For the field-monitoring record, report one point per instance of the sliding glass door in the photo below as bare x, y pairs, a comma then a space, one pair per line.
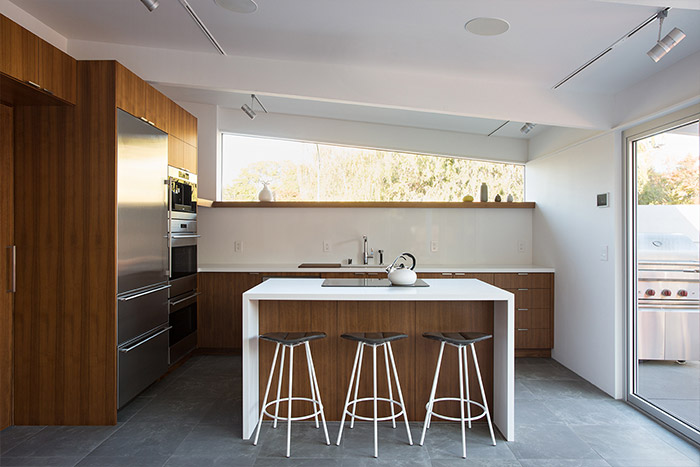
663, 271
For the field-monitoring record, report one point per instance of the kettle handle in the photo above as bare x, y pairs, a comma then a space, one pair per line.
413, 258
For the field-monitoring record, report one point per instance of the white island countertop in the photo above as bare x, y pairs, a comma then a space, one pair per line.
438, 290
427, 269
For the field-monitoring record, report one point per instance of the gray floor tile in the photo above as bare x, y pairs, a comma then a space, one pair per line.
393, 442
534, 412
308, 442
14, 435
297, 462
564, 463
63, 441
549, 442
563, 389
216, 442
123, 461
521, 392
475, 463
146, 440
444, 441
593, 412
613, 443
214, 461
39, 461
162, 410
132, 408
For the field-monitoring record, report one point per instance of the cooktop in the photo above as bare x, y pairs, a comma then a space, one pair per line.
368, 283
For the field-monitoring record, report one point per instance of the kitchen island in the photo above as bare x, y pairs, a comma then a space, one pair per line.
446, 305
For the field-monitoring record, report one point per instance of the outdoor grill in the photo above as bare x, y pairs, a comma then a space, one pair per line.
668, 310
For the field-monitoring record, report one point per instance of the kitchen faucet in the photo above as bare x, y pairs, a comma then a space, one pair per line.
365, 255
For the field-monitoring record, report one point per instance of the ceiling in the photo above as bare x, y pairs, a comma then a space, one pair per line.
547, 40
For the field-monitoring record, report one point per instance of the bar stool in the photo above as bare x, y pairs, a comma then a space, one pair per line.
374, 340
461, 340
289, 340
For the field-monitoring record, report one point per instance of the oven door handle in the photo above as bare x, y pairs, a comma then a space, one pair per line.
186, 235
189, 297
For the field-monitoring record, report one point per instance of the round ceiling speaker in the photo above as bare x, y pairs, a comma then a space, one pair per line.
239, 6
487, 26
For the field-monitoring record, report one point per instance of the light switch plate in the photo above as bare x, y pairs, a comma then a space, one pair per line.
604, 253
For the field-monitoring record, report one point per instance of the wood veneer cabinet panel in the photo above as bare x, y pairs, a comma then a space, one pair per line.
57, 71
131, 92
533, 318
448, 317
298, 316
177, 121
532, 338
176, 152
6, 240
523, 280
157, 108
189, 158
532, 298
18, 51
219, 311
65, 307
190, 129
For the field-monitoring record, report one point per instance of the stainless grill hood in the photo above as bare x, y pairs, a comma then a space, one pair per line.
667, 248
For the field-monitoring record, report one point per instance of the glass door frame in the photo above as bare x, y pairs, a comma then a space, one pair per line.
676, 119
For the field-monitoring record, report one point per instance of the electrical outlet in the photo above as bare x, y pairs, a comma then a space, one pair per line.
237, 246
434, 246
326, 246
604, 253
521, 246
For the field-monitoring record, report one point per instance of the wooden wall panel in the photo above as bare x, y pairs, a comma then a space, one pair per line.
298, 316
219, 311
6, 240
455, 317
18, 51
131, 92
65, 309
57, 71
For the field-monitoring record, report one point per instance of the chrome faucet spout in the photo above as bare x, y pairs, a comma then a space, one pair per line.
365, 254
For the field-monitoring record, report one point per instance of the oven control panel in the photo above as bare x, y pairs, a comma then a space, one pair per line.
667, 290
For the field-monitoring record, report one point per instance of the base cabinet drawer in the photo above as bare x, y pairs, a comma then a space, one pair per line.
533, 318
532, 298
523, 280
140, 364
533, 338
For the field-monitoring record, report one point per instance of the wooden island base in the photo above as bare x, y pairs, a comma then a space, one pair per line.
415, 356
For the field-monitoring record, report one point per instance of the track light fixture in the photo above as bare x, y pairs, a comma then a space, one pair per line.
527, 128
150, 4
664, 46
248, 109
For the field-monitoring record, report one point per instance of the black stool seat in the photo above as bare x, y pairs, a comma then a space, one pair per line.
457, 338
292, 338
373, 337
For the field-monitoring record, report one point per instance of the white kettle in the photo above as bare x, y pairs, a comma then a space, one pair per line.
399, 274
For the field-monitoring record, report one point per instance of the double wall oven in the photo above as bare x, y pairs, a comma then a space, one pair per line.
182, 260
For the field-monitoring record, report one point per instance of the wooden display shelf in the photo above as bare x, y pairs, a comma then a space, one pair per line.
363, 204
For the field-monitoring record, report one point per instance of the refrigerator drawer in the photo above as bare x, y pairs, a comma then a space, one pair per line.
139, 312
141, 363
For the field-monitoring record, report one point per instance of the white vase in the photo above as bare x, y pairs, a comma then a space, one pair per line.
510, 198
265, 194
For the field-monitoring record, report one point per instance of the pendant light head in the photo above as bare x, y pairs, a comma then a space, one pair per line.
527, 128
664, 46
248, 109
150, 4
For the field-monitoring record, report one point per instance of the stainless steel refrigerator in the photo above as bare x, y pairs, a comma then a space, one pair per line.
142, 255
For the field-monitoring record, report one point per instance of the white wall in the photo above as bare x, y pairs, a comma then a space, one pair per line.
296, 235
569, 232
32, 24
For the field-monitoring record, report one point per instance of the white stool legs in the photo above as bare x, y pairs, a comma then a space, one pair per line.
355, 379
315, 395
463, 383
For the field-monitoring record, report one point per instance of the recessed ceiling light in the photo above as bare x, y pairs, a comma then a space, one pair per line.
239, 6
487, 26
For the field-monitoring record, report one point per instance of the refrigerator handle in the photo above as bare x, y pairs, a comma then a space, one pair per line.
129, 349
169, 199
131, 297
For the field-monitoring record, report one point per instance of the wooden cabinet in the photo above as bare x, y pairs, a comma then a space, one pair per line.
176, 152
31, 60
131, 92
57, 71
158, 109
177, 121
190, 129
189, 162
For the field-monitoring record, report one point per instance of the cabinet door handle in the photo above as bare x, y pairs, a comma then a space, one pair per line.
523, 329
13, 269
523, 309
141, 294
522, 274
32, 83
523, 290
446, 274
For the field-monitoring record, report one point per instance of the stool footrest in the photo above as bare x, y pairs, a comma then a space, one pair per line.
457, 419
371, 419
294, 419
